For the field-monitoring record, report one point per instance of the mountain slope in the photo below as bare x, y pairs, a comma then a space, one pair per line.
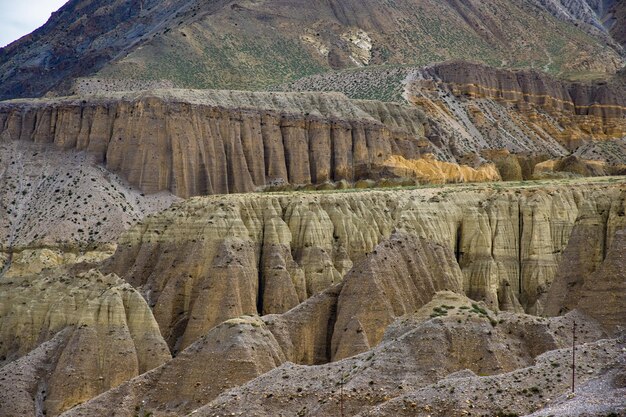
251, 44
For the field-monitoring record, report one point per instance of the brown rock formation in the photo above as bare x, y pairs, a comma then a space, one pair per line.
474, 80
229, 355
198, 143
591, 276
417, 357
585, 111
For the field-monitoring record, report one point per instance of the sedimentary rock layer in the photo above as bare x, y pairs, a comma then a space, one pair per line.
600, 99
537, 105
210, 259
197, 143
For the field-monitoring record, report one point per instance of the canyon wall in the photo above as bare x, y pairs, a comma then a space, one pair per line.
210, 259
600, 99
198, 143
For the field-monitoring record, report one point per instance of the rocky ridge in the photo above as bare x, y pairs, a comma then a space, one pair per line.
67, 336
396, 379
307, 262
515, 119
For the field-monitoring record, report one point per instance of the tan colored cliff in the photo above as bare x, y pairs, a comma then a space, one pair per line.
592, 276
279, 249
242, 349
209, 142
66, 337
230, 354
401, 275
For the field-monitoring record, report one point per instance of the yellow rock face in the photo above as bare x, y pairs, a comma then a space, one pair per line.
429, 170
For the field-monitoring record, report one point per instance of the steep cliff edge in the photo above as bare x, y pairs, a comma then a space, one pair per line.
475, 111
206, 142
280, 249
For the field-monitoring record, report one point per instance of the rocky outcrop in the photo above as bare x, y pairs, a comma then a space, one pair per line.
478, 114
426, 356
209, 142
602, 100
401, 275
543, 386
522, 111
242, 349
67, 336
591, 276
229, 355
277, 250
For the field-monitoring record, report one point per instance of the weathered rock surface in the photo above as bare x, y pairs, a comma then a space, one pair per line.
538, 390
210, 259
209, 142
66, 337
473, 107
229, 355
207, 260
401, 275
592, 277
418, 355
513, 118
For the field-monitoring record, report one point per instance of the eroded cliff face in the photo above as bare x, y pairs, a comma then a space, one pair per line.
67, 336
334, 275
277, 250
209, 142
525, 112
